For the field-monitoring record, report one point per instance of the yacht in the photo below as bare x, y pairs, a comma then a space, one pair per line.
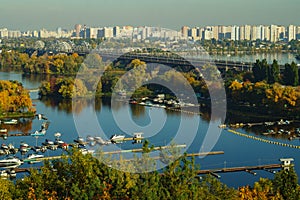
117, 138
10, 162
34, 158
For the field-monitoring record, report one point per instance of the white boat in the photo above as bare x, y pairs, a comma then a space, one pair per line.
4, 147
36, 149
10, 162
3, 130
39, 133
12, 174
12, 121
58, 142
86, 151
90, 138
48, 142
24, 145
117, 138
34, 158
3, 174
79, 140
57, 134
99, 140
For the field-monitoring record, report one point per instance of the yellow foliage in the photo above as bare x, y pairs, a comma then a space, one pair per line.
235, 85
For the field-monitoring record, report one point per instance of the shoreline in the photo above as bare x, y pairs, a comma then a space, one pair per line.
17, 115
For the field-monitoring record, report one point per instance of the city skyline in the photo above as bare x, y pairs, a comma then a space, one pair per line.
34, 14
272, 33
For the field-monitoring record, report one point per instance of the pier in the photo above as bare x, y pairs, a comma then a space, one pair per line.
239, 169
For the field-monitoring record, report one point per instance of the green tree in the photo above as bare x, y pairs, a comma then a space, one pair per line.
290, 74
286, 182
274, 72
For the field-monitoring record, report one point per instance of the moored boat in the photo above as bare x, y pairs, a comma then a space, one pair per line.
117, 138
3, 130
39, 133
10, 162
79, 140
11, 121
4, 174
48, 142
34, 158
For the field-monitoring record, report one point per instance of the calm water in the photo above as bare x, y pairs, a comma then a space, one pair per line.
159, 126
282, 58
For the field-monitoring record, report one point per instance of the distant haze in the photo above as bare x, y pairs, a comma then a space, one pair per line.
38, 14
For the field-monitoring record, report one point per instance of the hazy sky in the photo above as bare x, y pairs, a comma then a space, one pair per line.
37, 14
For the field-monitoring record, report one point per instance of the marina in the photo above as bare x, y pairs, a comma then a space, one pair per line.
61, 119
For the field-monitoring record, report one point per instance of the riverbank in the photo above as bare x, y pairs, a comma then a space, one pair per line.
17, 115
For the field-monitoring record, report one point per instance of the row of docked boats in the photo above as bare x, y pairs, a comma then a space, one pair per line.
161, 102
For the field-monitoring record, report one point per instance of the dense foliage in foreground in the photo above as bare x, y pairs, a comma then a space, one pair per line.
85, 177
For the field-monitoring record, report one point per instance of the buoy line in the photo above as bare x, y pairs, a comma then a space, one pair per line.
263, 140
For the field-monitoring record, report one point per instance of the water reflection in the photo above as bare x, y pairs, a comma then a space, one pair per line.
33, 79
24, 126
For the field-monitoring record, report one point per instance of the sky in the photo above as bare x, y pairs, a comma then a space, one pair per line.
37, 14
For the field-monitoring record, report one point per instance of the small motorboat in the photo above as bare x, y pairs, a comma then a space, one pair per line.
24, 145
58, 142
85, 151
4, 174
48, 142
36, 148
12, 173
34, 158
39, 133
10, 122
4, 147
117, 138
79, 140
57, 135
3, 130
90, 138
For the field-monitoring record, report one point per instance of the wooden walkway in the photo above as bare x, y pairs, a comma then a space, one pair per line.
248, 169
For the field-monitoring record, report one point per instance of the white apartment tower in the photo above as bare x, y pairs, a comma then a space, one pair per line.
274, 35
235, 33
291, 33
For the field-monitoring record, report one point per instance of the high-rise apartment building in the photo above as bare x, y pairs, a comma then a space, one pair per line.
235, 33
291, 32
91, 33
3, 33
185, 31
274, 35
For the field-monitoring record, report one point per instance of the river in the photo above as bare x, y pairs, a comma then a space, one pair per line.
159, 126
282, 58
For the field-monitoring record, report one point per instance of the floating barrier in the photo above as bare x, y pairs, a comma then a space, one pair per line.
263, 140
